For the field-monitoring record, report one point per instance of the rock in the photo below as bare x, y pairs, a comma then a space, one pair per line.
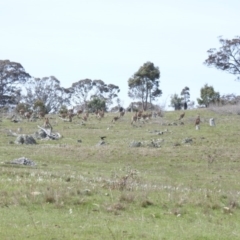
212, 122
46, 134
187, 140
154, 144
100, 143
135, 144
40, 134
25, 139
23, 161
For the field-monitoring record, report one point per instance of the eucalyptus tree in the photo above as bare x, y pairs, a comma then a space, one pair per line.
144, 84
95, 104
80, 91
227, 57
12, 76
47, 90
176, 102
105, 91
86, 90
208, 96
230, 99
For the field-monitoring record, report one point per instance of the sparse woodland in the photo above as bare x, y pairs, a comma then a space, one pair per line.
70, 169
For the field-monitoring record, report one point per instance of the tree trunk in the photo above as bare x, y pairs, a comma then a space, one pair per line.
146, 98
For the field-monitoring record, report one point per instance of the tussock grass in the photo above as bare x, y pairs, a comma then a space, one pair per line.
80, 190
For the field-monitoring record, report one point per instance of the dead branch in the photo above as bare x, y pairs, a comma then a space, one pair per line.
50, 134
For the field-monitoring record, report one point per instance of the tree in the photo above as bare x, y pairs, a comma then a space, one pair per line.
105, 91
12, 76
230, 99
227, 58
22, 106
63, 109
96, 104
48, 91
39, 106
176, 102
80, 91
118, 106
144, 84
208, 95
87, 89
186, 96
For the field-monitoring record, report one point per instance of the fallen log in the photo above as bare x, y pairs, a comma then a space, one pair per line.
49, 133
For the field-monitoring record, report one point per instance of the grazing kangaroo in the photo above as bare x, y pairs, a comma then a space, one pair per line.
122, 113
115, 119
100, 114
134, 118
41, 114
79, 112
28, 115
181, 116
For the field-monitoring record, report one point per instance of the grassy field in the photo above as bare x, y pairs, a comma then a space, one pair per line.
184, 187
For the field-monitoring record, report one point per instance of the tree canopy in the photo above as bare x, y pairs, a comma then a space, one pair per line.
227, 57
176, 102
80, 91
87, 89
96, 104
144, 84
12, 75
208, 96
230, 99
105, 91
179, 102
48, 91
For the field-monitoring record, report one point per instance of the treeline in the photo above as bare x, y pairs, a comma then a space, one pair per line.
19, 87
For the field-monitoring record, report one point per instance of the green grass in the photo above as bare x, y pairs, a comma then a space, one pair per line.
85, 191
